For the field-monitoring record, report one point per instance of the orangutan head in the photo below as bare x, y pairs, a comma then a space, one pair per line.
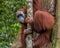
21, 15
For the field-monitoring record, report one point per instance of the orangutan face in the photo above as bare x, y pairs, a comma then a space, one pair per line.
20, 16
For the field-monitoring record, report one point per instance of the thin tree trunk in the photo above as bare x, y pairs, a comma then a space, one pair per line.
58, 21
29, 14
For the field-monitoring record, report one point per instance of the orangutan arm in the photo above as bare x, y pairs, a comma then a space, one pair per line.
23, 36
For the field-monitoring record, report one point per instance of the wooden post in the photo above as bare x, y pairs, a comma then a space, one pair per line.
29, 14
58, 21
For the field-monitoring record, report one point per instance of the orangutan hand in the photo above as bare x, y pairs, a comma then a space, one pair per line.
29, 20
27, 31
33, 44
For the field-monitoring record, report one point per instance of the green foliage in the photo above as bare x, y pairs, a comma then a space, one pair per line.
54, 35
9, 26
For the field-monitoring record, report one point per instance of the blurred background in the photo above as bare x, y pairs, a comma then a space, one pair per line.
9, 26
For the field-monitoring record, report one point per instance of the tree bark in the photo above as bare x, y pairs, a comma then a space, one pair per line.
58, 21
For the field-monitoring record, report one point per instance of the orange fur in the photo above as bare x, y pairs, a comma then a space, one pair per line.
41, 21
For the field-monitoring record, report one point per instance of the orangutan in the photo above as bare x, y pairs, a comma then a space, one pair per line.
41, 23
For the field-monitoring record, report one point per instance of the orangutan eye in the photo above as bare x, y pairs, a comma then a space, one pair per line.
20, 15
